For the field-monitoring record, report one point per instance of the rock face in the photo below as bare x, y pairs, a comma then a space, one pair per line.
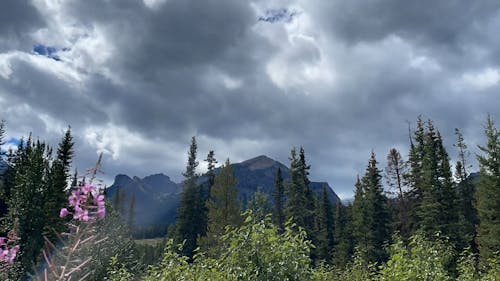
259, 173
157, 197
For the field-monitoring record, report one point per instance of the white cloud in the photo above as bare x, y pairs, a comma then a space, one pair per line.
483, 79
154, 4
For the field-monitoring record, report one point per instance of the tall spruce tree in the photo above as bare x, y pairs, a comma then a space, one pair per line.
300, 204
190, 211
343, 235
211, 161
4, 193
431, 190
488, 193
56, 195
260, 205
395, 174
371, 214
324, 228
279, 201
223, 208
465, 189
31, 175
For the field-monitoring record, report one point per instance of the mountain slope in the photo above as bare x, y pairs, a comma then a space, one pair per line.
157, 197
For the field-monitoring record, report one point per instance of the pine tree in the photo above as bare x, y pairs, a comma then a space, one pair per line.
211, 161
432, 194
324, 228
466, 191
437, 208
260, 204
131, 214
395, 173
31, 174
343, 235
279, 201
371, 216
190, 212
223, 208
414, 177
4, 193
300, 205
488, 194
56, 195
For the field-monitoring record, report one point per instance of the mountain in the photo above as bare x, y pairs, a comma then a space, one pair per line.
157, 197
259, 173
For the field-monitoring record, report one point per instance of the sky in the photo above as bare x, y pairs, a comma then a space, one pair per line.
137, 79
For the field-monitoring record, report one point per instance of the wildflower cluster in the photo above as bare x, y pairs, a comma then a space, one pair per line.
8, 248
87, 204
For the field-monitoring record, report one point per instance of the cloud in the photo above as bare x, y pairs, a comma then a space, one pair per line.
137, 79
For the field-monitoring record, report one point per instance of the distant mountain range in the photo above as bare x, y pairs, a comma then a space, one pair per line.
157, 196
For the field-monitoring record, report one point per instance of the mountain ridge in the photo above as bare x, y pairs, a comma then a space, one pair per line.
157, 197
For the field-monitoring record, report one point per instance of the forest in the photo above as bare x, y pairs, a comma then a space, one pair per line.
415, 217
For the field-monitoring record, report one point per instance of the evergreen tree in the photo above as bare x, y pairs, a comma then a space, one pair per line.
131, 214
488, 194
190, 212
466, 190
279, 200
31, 175
223, 207
343, 235
324, 228
260, 204
4, 193
211, 161
432, 192
2, 142
56, 194
371, 216
300, 205
395, 173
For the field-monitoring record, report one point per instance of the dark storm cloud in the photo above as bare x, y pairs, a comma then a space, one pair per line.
434, 22
17, 19
340, 78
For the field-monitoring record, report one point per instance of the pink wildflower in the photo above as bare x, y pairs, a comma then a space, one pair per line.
64, 212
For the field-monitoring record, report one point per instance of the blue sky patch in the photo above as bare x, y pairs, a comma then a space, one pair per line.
13, 141
50, 52
279, 15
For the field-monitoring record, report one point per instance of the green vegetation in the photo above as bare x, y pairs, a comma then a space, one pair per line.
427, 225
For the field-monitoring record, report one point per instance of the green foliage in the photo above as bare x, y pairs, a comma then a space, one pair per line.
117, 271
488, 194
432, 192
191, 214
56, 194
259, 204
116, 241
420, 260
371, 216
324, 228
466, 192
395, 173
300, 199
343, 238
223, 207
279, 200
254, 251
